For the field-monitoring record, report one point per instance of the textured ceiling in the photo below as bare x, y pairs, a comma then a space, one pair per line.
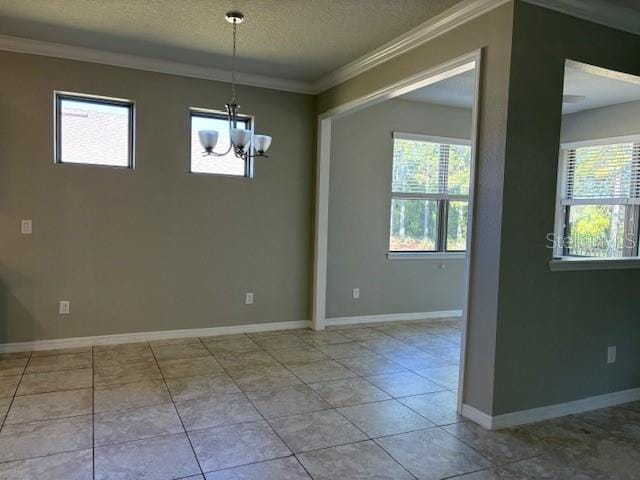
456, 91
294, 39
599, 87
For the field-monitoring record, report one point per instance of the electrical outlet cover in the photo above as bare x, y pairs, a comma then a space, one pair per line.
65, 307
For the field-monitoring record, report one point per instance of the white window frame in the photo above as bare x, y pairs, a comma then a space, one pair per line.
560, 261
59, 96
221, 115
441, 253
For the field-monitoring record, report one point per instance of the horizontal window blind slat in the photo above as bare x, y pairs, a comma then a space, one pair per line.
600, 201
429, 196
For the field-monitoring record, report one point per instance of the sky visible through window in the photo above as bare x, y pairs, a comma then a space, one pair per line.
94, 133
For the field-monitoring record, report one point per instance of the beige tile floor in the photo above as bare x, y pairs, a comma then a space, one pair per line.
375, 401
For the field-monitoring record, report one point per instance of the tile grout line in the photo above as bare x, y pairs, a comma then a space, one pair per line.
394, 398
58, 390
45, 455
186, 434
13, 397
357, 375
249, 400
368, 437
265, 419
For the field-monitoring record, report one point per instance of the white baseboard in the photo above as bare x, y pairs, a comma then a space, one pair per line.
477, 416
551, 411
392, 317
146, 336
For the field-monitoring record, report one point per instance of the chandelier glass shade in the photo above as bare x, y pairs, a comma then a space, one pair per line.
241, 140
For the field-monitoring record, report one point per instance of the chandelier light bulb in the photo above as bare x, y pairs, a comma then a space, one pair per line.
208, 139
240, 137
261, 143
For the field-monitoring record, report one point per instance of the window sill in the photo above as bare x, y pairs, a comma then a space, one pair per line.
425, 255
566, 264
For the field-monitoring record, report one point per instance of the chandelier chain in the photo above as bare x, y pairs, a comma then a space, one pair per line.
233, 65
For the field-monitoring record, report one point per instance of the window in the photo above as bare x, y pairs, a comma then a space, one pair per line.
429, 194
228, 164
93, 130
598, 199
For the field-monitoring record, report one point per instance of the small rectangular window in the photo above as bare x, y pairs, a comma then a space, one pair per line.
598, 200
227, 164
429, 194
93, 130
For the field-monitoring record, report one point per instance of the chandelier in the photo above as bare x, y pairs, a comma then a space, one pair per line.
240, 140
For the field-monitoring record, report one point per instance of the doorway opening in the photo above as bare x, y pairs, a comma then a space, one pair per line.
394, 220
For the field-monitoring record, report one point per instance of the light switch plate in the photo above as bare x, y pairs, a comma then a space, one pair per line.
248, 298
356, 293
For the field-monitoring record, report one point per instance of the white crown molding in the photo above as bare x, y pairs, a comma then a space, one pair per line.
58, 50
147, 336
454, 17
393, 317
596, 11
451, 18
549, 412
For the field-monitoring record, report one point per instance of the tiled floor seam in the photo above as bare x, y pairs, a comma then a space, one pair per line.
13, 397
394, 458
48, 419
251, 463
496, 464
45, 456
264, 418
130, 408
379, 446
186, 434
254, 407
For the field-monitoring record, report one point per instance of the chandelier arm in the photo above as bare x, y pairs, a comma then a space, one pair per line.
230, 116
216, 154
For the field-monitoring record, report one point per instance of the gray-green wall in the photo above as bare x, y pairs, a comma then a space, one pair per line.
154, 248
359, 205
554, 327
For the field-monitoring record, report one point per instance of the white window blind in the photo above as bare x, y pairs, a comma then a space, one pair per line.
602, 174
430, 168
